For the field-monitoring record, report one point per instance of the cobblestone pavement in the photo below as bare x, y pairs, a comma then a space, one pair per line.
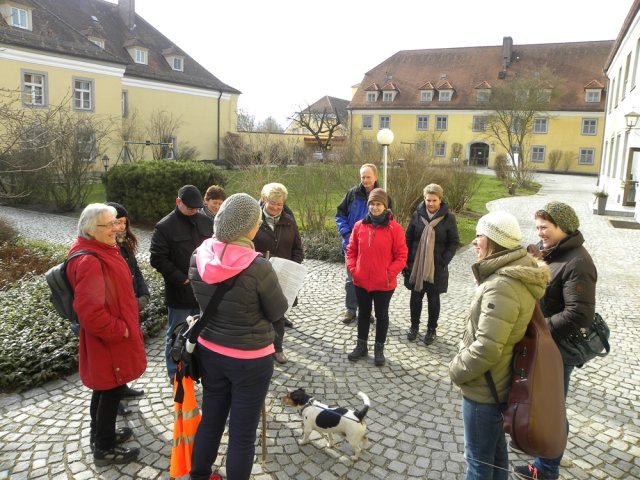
415, 427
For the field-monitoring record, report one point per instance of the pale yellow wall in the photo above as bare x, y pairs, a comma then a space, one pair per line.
564, 133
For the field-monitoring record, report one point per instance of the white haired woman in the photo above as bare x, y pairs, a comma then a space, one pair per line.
111, 349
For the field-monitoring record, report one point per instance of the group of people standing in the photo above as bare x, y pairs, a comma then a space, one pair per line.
238, 346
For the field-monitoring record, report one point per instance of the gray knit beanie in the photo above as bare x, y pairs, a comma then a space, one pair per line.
238, 214
501, 227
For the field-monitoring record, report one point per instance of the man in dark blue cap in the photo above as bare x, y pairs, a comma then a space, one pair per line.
174, 239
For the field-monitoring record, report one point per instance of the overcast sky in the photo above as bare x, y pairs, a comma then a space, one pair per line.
286, 54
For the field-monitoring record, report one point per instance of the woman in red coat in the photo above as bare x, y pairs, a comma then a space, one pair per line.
111, 350
376, 254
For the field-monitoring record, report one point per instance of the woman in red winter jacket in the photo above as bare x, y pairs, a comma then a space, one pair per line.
376, 254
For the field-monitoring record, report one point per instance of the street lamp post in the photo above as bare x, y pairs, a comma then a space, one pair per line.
631, 119
105, 162
385, 138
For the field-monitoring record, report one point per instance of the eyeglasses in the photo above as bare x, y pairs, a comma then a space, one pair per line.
113, 224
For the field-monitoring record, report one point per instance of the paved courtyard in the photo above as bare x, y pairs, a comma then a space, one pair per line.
415, 427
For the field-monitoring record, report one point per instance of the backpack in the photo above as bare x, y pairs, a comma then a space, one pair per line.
535, 417
61, 292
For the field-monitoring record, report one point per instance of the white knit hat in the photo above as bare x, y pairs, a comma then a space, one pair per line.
502, 228
238, 214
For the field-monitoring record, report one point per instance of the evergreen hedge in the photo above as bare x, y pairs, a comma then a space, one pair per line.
149, 189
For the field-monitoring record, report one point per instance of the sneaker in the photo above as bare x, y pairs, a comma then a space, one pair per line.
349, 317
115, 456
122, 435
280, 357
430, 337
132, 393
529, 472
412, 333
514, 448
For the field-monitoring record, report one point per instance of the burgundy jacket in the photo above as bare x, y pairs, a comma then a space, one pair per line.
376, 255
106, 305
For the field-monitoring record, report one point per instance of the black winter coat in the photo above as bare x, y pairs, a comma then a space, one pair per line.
446, 244
569, 301
174, 239
247, 311
139, 285
283, 242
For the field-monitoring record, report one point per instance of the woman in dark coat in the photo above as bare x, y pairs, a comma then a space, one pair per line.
432, 238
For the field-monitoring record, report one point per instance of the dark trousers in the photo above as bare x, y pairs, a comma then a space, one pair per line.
103, 411
433, 306
235, 386
278, 327
380, 300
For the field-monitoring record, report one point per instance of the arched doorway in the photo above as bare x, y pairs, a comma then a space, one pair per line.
479, 154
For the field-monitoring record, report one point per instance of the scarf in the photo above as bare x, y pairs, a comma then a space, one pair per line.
423, 266
377, 220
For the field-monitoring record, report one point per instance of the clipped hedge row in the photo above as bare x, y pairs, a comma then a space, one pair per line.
37, 345
149, 189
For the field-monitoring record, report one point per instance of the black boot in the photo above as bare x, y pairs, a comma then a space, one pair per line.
378, 354
359, 352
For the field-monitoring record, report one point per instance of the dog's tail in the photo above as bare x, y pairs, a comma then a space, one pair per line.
360, 414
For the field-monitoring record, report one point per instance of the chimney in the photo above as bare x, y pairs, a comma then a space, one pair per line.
507, 50
127, 12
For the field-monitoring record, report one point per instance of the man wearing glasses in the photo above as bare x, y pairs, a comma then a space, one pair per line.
174, 239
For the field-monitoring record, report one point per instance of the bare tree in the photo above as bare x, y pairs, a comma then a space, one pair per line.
514, 107
270, 125
131, 135
163, 127
245, 122
322, 123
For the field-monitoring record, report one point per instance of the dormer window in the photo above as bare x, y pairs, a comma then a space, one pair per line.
372, 97
97, 41
426, 95
387, 96
445, 95
593, 95
372, 92
389, 92
545, 95
17, 16
178, 64
140, 56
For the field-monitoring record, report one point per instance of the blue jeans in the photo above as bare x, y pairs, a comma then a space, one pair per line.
351, 302
175, 317
485, 447
551, 466
229, 385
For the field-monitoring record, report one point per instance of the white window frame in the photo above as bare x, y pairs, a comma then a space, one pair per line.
440, 149
124, 101
388, 96
33, 87
586, 153
83, 94
384, 121
593, 95
479, 123
422, 122
538, 153
91, 144
180, 65
445, 95
540, 125
426, 95
589, 126
372, 97
442, 123
483, 95
20, 18
140, 56
367, 122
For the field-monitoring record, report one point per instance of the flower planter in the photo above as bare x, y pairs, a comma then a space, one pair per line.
601, 205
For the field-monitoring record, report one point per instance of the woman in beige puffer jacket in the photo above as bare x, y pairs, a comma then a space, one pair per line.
509, 283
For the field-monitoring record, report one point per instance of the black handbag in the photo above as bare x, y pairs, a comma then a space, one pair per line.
585, 344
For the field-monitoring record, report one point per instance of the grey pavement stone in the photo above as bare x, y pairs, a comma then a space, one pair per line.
415, 427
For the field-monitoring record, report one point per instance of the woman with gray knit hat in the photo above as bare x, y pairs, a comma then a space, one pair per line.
235, 349
376, 254
569, 301
509, 283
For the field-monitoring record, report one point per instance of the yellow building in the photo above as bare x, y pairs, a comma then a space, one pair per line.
109, 62
436, 103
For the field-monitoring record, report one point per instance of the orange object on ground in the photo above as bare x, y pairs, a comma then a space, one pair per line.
186, 417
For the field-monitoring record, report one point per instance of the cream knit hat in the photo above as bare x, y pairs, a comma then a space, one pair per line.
502, 228
238, 214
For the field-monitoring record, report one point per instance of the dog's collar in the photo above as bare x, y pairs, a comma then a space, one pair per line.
308, 404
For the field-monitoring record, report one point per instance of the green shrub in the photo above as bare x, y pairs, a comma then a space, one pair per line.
323, 245
148, 189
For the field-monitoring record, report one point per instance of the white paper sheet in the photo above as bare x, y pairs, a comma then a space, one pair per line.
291, 277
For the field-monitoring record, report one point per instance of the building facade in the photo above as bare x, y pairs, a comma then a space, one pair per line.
436, 102
620, 169
106, 61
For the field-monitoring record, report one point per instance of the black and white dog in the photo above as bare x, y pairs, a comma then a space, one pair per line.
321, 418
